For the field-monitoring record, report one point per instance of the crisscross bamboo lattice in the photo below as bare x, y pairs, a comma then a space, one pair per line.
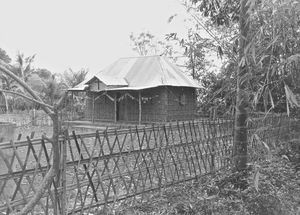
105, 167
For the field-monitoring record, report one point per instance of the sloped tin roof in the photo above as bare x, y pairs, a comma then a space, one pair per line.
108, 80
144, 72
79, 87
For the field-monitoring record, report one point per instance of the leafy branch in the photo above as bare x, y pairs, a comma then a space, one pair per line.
27, 97
52, 111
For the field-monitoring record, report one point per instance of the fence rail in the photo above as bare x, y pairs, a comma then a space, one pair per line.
103, 168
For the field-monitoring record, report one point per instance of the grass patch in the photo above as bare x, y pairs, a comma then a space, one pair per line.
277, 192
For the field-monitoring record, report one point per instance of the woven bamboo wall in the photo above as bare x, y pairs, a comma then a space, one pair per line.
88, 104
178, 111
159, 104
103, 107
153, 105
128, 106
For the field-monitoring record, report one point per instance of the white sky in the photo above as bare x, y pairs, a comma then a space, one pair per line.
81, 34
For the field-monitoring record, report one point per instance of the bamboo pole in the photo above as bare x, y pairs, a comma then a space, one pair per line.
63, 172
241, 115
115, 104
93, 108
73, 106
140, 108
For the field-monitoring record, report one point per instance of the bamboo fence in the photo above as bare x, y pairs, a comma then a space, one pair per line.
103, 168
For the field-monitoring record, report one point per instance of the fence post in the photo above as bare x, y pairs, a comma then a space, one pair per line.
279, 124
33, 117
63, 172
213, 145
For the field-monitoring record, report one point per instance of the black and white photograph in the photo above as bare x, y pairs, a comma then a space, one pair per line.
138, 107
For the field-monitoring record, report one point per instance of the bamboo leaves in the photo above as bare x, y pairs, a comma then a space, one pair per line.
291, 99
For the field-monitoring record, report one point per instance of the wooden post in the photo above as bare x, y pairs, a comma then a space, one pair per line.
63, 172
115, 103
140, 107
73, 106
93, 108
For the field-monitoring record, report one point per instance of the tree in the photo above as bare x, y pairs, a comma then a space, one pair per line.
268, 58
42, 81
8, 84
52, 111
273, 54
77, 100
24, 66
240, 123
48, 86
52, 90
143, 44
222, 13
43, 73
5, 82
4, 56
195, 49
146, 44
22, 69
72, 78
218, 91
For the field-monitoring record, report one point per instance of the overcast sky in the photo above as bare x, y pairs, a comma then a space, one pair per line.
81, 33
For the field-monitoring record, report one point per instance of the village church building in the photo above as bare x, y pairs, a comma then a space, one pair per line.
140, 90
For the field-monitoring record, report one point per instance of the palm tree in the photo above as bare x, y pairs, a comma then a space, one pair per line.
52, 89
24, 66
23, 69
72, 78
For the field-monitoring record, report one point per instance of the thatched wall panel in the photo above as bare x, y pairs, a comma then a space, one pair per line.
181, 103
103, 107
158, 104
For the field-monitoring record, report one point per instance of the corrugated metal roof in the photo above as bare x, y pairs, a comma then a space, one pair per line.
79, 87
109, 80
145, 72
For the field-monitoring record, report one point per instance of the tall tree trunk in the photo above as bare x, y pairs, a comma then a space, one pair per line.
240, 124
6, 103
53, 171
52, 111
